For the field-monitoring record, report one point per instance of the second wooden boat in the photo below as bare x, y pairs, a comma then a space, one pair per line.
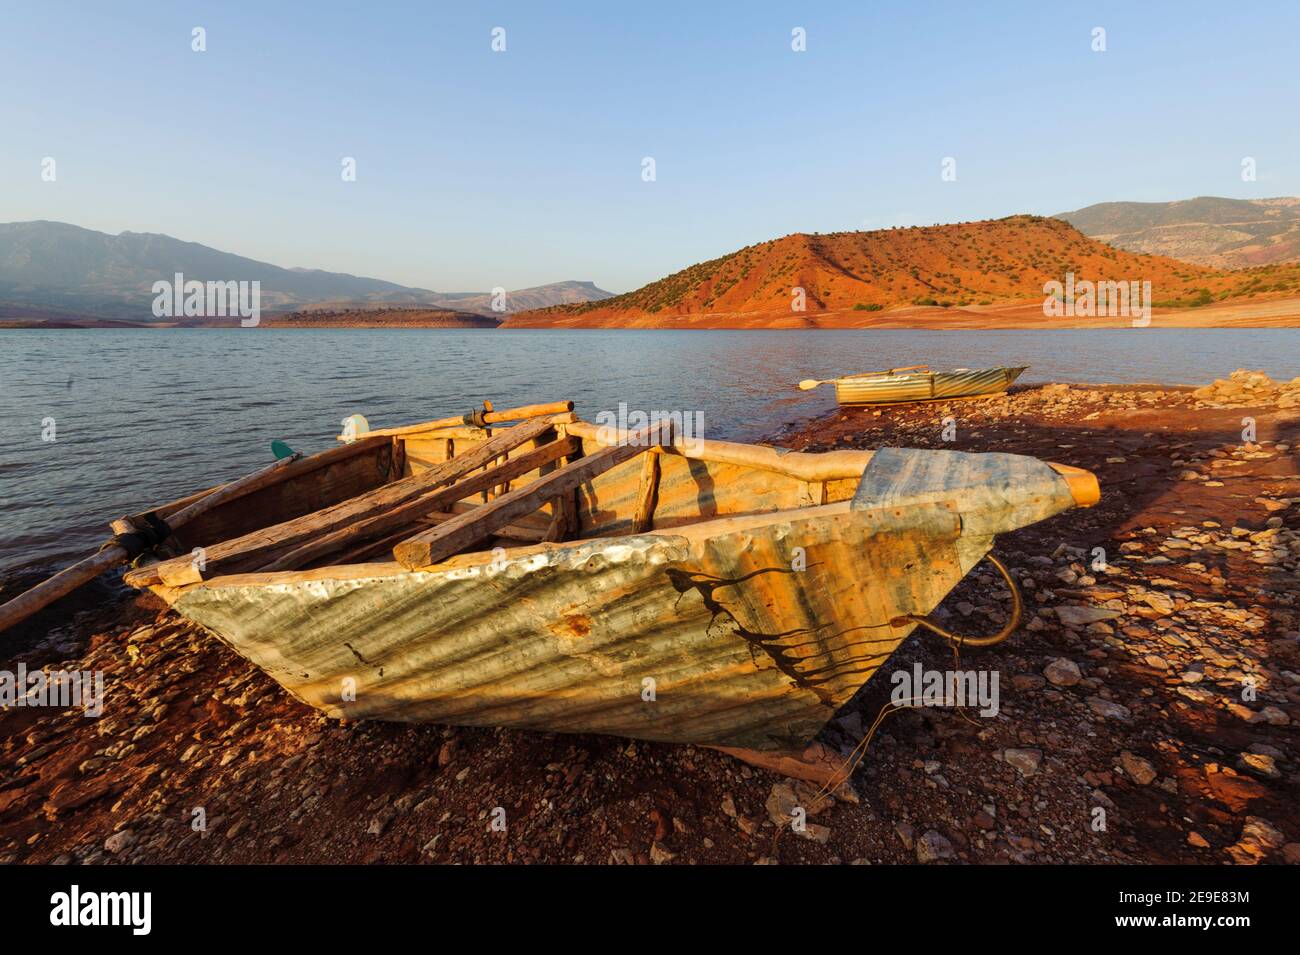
560, 576
921, 384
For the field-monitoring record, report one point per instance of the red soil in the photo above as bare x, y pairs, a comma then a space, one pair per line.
979, 274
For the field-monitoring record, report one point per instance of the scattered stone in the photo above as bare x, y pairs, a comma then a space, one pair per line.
814, 833
1138, 769
1062, 672
1259, 764
933, 847
1259, 838
906, 833
1108, 709
1273, 716
380, 822
1026, 761
660, 853
1078, 617
119, 841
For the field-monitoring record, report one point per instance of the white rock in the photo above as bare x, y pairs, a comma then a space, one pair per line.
1082, 616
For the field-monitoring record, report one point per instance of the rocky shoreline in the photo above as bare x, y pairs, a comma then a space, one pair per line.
1147, 712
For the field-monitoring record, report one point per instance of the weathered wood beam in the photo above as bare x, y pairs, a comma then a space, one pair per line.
430, 547
405, 514
488, 417
179, 571
817, 763
113, 555
647, 495
825, 466
518, 531
271, 474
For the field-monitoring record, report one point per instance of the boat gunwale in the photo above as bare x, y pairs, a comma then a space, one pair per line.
1079, 480
899, 375
813, 468
377, 569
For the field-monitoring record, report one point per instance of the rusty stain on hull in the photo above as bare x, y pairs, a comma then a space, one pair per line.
465, 644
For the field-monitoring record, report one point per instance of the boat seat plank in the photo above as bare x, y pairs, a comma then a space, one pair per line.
183, 570
430, 547
410, 511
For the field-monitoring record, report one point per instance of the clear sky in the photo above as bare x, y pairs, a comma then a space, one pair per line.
477, 169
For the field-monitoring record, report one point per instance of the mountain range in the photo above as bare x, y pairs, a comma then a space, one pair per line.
1207, 230
53, 268
990, 273
909, 275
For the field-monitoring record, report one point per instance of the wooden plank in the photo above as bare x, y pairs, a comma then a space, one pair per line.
423, 452
64, 582
182, 570
519, 532
430, 547
263, 477
817, 763
648, 495
285, 501
302, 466
69, 579
404, 514
489, 417
803, 465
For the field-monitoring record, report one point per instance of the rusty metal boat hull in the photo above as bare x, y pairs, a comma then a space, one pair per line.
743, 630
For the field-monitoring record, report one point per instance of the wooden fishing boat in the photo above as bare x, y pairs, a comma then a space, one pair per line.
918, 383
561, 576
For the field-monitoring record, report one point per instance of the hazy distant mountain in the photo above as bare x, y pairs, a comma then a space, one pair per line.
54, 265
523, 300
1227, 233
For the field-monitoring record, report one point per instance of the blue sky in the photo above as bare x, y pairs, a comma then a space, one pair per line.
477, 169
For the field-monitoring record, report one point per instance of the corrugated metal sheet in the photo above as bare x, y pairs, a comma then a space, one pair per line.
744, 648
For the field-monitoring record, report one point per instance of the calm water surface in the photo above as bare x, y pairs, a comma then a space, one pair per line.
145, 417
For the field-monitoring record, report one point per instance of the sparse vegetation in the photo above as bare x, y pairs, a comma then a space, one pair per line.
946, 266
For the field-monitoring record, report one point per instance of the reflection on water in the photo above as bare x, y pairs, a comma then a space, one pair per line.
145, 417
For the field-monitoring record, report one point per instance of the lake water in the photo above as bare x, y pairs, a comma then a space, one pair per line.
145, 417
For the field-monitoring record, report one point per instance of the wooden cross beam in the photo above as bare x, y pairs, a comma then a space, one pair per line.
465, 530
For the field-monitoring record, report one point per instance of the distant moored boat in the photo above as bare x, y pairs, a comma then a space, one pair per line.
918, 383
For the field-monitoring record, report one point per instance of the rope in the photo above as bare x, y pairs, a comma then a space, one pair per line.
956, 641
150, 531
859, 752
